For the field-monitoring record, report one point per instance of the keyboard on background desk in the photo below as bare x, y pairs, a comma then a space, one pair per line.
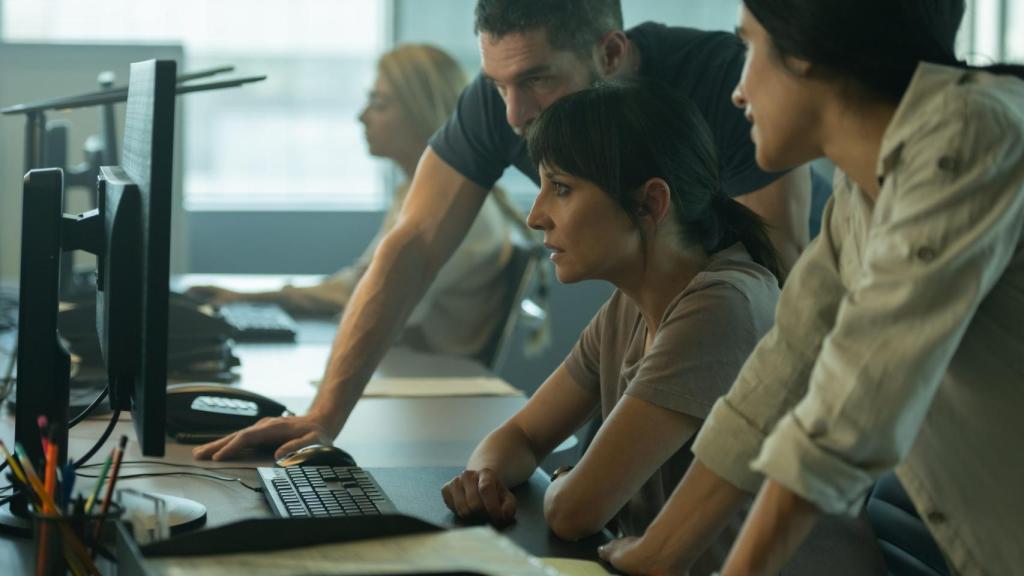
259, 322
323, 491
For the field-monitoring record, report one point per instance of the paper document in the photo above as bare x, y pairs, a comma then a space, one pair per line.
573, 567
480, 550
427, 387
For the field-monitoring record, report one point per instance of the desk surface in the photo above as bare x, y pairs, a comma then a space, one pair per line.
383, 434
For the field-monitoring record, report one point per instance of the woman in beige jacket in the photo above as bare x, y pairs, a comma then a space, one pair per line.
897, 342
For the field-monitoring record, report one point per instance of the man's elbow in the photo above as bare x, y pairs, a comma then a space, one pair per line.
571, 519
405, 248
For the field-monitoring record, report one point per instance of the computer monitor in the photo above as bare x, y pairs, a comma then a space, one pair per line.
146, 160
130, 234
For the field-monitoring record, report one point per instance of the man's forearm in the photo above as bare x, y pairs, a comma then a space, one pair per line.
694, 515
380, 305
778, 524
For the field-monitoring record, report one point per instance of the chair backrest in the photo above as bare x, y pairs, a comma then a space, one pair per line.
518, 273
906, 544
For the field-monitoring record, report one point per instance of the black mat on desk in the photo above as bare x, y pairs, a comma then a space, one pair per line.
417, 492
284, 533
267, 534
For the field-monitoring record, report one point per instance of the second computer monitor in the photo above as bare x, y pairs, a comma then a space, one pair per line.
145, 171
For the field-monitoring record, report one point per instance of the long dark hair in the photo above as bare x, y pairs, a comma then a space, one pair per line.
620, 135
879, 43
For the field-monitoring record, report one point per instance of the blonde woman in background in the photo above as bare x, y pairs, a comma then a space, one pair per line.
415, 91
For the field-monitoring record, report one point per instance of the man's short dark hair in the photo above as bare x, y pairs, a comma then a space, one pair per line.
574, 25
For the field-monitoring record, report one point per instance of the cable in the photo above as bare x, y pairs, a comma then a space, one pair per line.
90, 408
99, 443
5, 499
162, 463
193, 466
256, 489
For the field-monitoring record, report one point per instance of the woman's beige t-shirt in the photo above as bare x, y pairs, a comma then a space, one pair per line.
706, 334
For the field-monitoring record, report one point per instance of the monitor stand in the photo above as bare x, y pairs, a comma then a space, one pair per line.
183, 514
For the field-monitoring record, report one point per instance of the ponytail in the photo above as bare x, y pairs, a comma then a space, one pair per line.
737, 223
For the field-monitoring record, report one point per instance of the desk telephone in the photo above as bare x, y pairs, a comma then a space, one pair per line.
203, 412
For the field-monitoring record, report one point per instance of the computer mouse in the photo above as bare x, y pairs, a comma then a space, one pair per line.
316, 455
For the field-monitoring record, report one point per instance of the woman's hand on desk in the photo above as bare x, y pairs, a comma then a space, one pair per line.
480, 494
284, 434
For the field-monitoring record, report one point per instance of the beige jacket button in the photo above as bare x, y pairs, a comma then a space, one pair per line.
925, 254
947, 163
936, 517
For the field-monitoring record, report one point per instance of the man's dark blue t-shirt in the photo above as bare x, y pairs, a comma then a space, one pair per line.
705, 66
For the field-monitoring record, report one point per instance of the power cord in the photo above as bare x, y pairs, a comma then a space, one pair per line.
162, 463
256, 489
90, 408
5, 499
99, 443
85, 413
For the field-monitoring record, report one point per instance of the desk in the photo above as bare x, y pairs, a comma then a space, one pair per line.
383, 434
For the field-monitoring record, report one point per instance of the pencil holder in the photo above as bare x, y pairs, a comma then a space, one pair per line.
63, 541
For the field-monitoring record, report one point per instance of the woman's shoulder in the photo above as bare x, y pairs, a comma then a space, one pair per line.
733, 272
732, 289
957, 107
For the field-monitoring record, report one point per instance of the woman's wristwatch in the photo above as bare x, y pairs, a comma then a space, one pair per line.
560, 471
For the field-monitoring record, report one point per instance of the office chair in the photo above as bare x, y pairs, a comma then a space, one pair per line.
519, 272
905, 542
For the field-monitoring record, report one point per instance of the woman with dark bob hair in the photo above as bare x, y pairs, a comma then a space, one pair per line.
898, 342
630, 194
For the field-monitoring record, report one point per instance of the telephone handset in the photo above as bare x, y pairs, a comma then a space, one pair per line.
203, 412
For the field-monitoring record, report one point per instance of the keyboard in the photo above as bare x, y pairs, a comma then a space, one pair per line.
323, 491
259, 322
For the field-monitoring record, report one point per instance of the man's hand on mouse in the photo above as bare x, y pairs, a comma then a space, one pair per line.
285, 434
475, 494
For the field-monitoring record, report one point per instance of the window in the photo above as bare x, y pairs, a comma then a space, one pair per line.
992, 31
291, 142
1015, 32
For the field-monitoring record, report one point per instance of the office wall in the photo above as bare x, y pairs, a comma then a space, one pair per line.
31, 72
